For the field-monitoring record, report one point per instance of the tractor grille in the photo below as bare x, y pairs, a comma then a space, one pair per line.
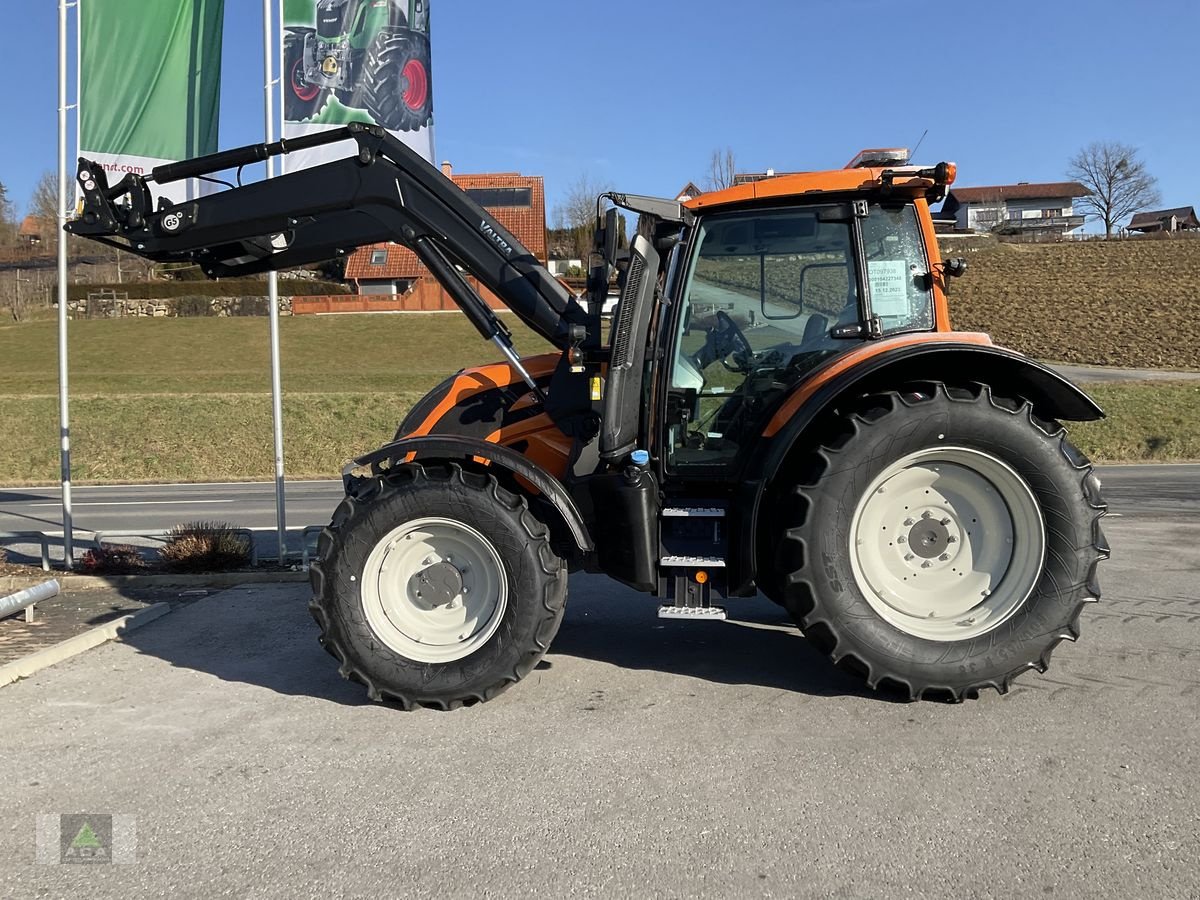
633, 286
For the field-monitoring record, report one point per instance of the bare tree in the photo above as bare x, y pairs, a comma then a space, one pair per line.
576, 214
8, 226
1117, 179
578, 207
721, 168
44, 207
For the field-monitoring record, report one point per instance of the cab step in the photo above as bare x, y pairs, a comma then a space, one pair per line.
693, 562
707, 613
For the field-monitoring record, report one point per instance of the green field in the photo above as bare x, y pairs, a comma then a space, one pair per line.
188, 399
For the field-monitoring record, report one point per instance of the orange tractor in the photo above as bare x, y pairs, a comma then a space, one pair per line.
780, 405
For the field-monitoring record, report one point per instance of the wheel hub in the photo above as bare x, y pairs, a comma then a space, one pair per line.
929, 537
438, 585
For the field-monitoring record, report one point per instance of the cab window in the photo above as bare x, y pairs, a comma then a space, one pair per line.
898, 268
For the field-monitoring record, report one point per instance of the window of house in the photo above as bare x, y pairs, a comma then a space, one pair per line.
378, 257
1052, 213
494, 198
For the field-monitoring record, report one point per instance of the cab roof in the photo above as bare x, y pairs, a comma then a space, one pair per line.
903, 179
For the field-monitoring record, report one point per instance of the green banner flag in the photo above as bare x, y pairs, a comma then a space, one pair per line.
150, 82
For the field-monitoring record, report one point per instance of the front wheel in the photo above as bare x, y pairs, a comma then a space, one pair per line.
944, 542
437, 587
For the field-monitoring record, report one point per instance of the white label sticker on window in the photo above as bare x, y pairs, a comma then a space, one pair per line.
889, 287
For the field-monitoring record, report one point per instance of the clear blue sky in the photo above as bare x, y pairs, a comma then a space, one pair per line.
637, 95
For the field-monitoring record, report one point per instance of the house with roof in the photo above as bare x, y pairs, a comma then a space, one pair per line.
32, 229
1181, 218
1019, 208
518, 202
688, 192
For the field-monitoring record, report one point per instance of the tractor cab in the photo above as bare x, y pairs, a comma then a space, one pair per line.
742, 296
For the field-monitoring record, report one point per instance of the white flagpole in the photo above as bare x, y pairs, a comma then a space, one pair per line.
273, 294
63, 407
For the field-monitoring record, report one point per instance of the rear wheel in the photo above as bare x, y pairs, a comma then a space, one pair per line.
436, 587
398, 90
944, 542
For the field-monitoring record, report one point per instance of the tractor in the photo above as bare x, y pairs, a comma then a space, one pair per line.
779, 405
369, 54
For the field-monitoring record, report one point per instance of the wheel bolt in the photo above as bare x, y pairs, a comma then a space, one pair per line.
944, 557
908, 521
907, 557
946, 521
926, 514
926, 564
951, 540
901, 540
426, 561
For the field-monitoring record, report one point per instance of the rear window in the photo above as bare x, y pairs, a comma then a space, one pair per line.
897, 268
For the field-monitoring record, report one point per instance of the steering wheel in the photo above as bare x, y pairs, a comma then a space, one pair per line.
725, 341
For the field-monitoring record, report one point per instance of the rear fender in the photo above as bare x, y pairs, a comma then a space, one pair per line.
459, 449
1008, 373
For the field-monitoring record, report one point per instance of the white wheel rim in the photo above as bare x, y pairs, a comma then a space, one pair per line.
947, 543
434, 590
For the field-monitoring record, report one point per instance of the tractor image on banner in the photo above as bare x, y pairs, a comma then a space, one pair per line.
357, 61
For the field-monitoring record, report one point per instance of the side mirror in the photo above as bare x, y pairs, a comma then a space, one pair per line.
954, 267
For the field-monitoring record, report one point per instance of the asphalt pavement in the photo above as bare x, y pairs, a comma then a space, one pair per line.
643, 758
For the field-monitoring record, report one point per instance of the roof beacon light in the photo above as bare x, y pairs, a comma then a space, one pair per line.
879, 157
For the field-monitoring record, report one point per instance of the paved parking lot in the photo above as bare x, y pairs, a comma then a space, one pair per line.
642, 759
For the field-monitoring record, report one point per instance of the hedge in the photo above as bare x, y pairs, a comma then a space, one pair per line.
228, 287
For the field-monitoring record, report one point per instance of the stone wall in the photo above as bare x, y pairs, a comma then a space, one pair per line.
107, 308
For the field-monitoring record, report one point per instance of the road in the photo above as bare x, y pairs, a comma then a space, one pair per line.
642, 758
1130, 490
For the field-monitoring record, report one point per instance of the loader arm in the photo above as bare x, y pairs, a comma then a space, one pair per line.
383, 192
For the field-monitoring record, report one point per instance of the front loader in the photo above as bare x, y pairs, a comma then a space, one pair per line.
780, 405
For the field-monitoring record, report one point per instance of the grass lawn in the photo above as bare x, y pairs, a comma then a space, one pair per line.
188, 399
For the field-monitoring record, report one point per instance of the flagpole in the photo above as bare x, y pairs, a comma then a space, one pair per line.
63, 406
273, 295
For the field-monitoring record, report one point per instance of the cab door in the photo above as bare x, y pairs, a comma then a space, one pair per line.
768, 297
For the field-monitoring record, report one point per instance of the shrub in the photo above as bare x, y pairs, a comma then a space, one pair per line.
205, 547
112, 559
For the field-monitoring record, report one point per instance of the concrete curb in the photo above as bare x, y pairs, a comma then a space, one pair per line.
69, 582
35, 662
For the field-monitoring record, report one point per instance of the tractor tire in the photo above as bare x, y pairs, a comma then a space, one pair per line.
397, 89
301, 100
944, 541
411, 623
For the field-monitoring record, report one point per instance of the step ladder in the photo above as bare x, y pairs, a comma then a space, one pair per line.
692, 557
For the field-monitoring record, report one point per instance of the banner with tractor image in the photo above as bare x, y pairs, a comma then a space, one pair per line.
356, 61
149, 85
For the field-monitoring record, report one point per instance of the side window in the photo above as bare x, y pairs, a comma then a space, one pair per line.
897, 268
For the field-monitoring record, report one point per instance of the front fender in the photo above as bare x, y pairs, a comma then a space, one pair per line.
442, 446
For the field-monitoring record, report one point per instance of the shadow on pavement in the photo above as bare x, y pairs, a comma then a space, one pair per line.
265, 636
758, 645
262, 636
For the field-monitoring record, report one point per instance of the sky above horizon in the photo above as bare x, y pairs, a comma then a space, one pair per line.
638, 100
